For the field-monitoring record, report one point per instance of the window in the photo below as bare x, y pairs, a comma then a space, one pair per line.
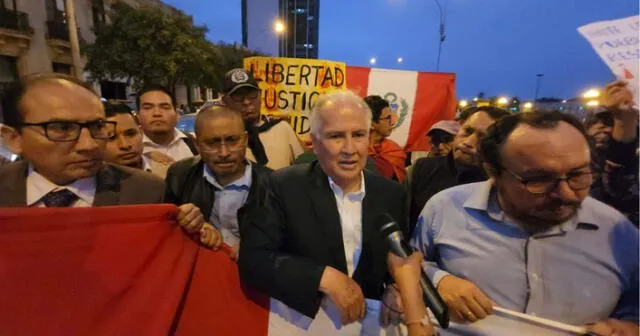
113, 90
55, 10
8, 72
62, 68
97, 9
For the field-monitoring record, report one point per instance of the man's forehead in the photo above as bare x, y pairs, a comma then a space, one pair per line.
124, 118
479, 119
58, 93
561, 143
155, 96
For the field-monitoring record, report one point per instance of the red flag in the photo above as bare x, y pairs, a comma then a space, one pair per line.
116, 271
418, 100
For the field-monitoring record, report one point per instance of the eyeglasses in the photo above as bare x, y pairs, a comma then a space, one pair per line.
214, 145
387, 118
239, 98
68, 131
545, 184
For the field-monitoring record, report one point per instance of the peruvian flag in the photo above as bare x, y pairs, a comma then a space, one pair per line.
418, 100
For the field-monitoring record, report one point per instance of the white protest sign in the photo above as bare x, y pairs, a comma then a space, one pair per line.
618, 44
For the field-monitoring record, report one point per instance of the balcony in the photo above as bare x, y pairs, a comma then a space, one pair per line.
15, 20
15, 32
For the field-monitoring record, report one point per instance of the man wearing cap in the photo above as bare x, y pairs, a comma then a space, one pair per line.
271, 142
441, 138
431, 175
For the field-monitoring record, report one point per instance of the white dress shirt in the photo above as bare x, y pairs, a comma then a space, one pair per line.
228, 199
177, 148
38, 186
350, 210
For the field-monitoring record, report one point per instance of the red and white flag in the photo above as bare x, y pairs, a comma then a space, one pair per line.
418, 100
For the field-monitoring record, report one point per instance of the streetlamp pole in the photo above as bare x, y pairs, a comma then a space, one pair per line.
442, 35
538, 78
73, 38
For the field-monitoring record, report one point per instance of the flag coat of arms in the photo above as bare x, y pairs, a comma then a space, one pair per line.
418, 100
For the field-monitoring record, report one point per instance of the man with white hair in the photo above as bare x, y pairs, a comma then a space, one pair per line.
316, 250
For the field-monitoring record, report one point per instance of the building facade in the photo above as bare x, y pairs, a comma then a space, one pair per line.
34, 38
301, 21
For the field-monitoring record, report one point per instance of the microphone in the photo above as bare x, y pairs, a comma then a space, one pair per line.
390, 231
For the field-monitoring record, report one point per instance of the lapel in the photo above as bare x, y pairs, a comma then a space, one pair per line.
206, 200
13, 184
327, 216
108, 186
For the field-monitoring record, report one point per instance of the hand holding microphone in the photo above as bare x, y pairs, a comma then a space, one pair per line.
390, 232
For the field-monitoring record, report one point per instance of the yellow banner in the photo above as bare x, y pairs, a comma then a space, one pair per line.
291, 86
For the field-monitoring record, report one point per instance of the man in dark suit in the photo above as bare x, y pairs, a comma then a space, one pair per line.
57, 124
221, 182
315, 247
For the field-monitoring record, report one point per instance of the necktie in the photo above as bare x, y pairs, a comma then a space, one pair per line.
59, 199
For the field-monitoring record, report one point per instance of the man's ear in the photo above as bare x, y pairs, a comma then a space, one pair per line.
12, 138
492, 172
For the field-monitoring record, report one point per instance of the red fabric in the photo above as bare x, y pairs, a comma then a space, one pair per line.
116, 271
390, 159
435, 101
217, 303
358, 80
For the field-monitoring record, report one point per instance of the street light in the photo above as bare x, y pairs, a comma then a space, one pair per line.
372, 61
400, 60
278, 27
475, 99
591, 93
528, 106
503, 101
463, 103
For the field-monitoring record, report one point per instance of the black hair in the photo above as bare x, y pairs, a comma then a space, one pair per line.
498, 133
155, 87
12, 96
376, 104
111, 109
605, 117
494, 113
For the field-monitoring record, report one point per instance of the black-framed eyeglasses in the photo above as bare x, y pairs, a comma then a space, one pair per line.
67, 131
545, 184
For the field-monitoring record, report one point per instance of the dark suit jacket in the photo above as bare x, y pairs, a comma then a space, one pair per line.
185, 183
116, 185
285, 249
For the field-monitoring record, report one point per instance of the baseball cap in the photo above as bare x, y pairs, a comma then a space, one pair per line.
238, 78
449, 126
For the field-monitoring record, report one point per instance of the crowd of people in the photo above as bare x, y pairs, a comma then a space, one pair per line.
535, 212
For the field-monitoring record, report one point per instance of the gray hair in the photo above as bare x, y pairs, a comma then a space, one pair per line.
339, 96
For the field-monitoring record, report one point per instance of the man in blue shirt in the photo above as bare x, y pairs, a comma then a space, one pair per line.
530, 239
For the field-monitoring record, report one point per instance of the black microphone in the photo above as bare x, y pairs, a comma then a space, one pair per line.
390, 231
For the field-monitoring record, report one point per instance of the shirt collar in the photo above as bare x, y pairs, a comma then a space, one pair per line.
484, 198
243, 183
177, 136
83, 188
356, 196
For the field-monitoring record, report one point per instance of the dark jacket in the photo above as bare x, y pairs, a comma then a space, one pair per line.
115, 185
616, 182
185, 183
285, 249
432, 175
